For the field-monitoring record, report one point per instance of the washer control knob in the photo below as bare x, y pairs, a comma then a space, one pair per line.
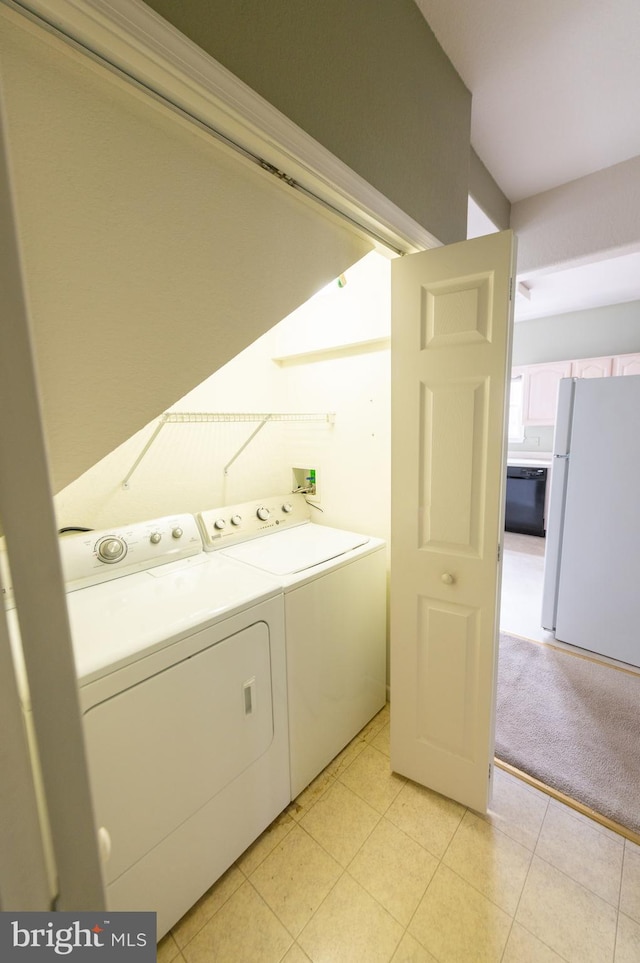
236, 519
219, 524
263, 514
155, 537
287, 507
111, 549
177, 532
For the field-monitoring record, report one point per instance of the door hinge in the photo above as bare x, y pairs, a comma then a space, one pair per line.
489, 773
511, 289
499, 552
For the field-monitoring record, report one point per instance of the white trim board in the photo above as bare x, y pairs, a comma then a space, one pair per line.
131, 37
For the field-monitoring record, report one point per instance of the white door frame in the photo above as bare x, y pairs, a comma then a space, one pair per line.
29, 526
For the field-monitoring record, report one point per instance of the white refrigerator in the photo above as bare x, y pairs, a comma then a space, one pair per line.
591, 595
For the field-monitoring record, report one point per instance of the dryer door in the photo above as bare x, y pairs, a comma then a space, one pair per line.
163, 748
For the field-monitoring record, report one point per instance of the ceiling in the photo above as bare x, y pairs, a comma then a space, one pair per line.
556, 96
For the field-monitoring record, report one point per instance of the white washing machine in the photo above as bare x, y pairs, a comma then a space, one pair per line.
181, 667
335, 591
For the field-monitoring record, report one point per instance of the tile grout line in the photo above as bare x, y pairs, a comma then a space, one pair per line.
433, 876
331, 784
515, 912
345, 870
540, 940
584, 886
577, 882
620, 912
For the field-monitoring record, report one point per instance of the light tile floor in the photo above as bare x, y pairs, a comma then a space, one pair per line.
367, 866
522, 577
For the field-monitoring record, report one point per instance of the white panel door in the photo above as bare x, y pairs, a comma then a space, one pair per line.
451, 324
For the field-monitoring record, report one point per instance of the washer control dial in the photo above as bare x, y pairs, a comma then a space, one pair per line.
111, 549
263, 514
219, 524
177, 532
287, 507
155, 537
236, 519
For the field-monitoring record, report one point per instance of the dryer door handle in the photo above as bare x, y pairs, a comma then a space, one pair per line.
248, 691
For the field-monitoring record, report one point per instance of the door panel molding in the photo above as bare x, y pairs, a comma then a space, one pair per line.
447, 648
448, 307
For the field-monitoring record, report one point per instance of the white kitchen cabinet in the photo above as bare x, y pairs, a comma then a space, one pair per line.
541, 392
540, 381
626, 364
592, 367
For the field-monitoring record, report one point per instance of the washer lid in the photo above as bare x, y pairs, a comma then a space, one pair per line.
296, 549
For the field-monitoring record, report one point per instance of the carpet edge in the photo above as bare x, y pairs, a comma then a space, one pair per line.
556, 794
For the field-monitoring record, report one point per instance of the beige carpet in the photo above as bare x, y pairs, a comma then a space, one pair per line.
573, 724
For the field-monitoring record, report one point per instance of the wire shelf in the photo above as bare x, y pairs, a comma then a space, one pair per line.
203, 417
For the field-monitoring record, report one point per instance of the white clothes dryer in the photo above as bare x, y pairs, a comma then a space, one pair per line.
335, 592
180, 659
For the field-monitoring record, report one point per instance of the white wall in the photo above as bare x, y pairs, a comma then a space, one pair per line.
324, 367
345, 374
576, 222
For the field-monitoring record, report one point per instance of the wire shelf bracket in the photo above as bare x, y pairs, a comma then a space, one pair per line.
203, 417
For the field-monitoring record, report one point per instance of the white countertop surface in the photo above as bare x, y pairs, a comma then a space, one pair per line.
540, 459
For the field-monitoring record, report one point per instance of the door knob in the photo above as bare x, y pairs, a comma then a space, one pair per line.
447, 578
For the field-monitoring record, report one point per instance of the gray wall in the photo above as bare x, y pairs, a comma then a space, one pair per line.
368, 80
614, 329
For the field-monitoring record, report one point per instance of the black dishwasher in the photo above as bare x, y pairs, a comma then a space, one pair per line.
526, 488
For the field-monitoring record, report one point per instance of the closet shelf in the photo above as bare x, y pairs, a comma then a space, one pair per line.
202, 417
192, 418
333, 352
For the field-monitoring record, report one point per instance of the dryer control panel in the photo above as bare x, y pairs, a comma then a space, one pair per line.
236, 523
97, 556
